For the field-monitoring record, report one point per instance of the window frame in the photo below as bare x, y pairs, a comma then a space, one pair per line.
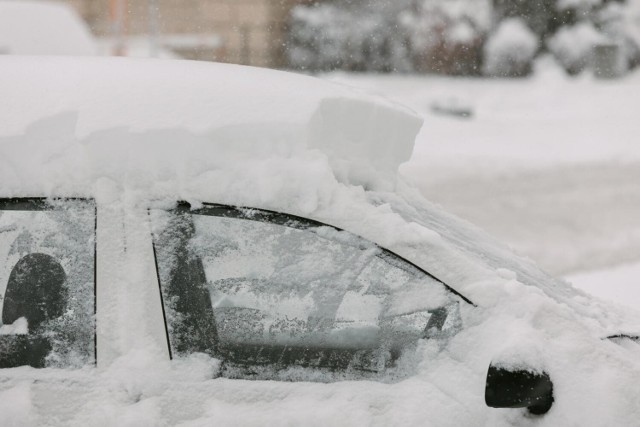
43, 204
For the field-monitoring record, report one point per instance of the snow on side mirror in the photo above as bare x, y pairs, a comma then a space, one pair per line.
518, 388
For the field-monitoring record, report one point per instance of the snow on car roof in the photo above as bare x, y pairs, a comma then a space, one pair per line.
235, 102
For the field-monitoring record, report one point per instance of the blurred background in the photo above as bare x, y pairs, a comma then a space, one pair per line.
531, 108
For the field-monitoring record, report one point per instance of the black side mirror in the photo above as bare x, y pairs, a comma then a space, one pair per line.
518, 389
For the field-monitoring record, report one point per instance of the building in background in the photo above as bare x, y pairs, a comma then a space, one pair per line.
250, 32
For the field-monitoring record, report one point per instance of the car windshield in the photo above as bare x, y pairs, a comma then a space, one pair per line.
268, 293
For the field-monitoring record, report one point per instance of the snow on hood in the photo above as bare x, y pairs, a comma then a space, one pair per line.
265, 112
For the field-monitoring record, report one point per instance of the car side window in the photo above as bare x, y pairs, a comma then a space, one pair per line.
47, 282
280, 297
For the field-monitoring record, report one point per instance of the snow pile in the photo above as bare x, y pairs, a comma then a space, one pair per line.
43, 28
510, 50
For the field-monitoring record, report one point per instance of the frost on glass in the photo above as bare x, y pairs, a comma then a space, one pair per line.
47, 256
272, 300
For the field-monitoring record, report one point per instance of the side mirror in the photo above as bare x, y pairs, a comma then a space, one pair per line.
518, 389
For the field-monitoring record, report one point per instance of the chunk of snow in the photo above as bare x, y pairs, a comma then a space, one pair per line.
19, 327
344, 128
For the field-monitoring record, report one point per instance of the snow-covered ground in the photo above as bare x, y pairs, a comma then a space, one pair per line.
548, 164
620, 284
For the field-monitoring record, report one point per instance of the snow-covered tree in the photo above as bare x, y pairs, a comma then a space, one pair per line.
510, 50
543, 17
620, 22
401, 35
497, 37
353, 35
573, 45
446, 36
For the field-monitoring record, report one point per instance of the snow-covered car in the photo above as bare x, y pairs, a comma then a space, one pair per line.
194, 244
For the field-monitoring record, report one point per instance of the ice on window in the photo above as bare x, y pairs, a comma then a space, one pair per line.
47, 283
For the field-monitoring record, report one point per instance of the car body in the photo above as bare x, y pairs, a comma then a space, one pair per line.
119, 171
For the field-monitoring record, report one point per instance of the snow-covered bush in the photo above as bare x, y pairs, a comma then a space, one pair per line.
402, 35
351, 36
631, 29
542, 16
596, 22
573, 46
464, 37
447, 36
316, 38
621, 23
510, 50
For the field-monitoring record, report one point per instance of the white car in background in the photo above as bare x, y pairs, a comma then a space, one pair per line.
195, 244
29, 27
53, 28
